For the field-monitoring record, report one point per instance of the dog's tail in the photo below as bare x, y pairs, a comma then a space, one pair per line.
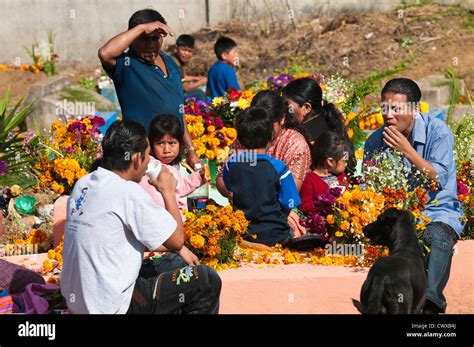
358, 305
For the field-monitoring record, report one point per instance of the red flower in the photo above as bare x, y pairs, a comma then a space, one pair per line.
234, 94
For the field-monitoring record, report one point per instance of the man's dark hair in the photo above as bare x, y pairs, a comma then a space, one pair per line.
121, 141
185, 41
145, 16
223, 45
254, 128
403, 86
166, 124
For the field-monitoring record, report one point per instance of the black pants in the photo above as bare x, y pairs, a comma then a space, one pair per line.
167, 286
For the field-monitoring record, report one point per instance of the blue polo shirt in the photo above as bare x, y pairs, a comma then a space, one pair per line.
264, 189
221, 76
433, 140
144, 91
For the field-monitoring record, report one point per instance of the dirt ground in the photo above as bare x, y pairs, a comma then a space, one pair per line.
353, 44
432, 37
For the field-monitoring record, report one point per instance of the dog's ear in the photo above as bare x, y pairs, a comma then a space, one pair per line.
358, 305
411, 218
389, 217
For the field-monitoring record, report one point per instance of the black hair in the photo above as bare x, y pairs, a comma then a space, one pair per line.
307, 90
403, 86
254, 128
122, 140
328, 145
147, 15
223, 45
166, 124
271, 101
185, 41
278, 108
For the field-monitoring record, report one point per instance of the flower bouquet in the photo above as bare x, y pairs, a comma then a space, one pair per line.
228, 106
315, 220
386, 183
66, 154
213, 233
211, 138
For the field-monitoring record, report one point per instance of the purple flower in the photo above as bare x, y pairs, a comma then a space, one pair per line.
218, 123
76, 126
204, 106
462, 188
97, 121
3, 167
70, 150
278, 82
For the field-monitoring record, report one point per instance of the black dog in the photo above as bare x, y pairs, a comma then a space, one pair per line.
396, 283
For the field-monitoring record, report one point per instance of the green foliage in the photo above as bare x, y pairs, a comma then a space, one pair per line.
88, 83
454, 84
11, 150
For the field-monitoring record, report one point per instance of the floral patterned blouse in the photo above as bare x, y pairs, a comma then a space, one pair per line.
292, 149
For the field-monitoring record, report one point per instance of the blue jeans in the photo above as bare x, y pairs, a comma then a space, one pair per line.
440, 238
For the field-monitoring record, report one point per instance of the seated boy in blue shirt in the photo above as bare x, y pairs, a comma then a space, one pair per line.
262, 186
221, 75
182, 55
427, 145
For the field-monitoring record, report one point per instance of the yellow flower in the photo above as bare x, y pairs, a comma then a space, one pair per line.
15, 190
345, 225
48, 265
339, 234
211, 208
57, 188
211, 129
330, 219
243, 104
197, 241
350, 133
359, 154
217, 101
424, 107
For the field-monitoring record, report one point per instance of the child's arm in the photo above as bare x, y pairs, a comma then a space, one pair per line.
308, 195
224, 183
288, 195
118, 44
194, 83
189, 184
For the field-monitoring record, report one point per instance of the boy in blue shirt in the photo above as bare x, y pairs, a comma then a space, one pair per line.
427, 145
221, 75
262, 186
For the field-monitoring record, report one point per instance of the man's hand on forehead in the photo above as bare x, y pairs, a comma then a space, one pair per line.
157, 28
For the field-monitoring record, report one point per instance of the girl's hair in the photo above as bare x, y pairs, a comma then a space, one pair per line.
166, 124
278, 108
328, 145
307, 90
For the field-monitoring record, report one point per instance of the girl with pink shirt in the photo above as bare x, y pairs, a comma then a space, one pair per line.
166, 140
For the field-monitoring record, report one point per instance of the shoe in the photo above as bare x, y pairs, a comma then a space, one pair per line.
305, 243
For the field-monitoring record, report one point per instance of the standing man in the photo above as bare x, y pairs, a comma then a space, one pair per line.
427, 145
147, 81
